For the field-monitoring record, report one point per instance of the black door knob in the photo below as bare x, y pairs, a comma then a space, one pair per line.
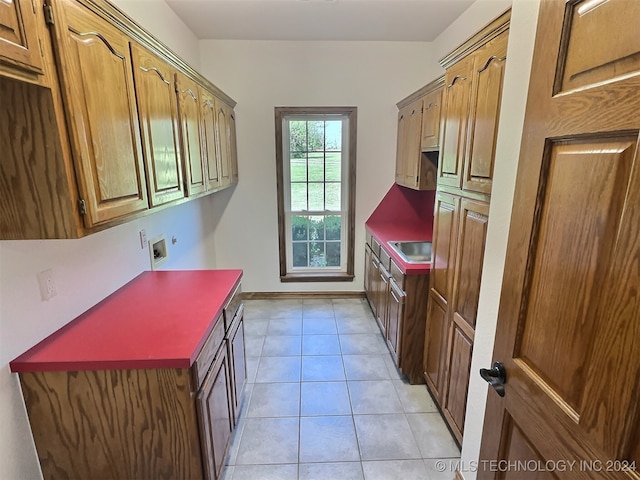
496, 377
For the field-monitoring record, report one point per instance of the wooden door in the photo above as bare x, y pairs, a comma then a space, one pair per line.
160, 126
19, 36
431, 121
412, 145
455, 105
568, 323
101, 110
215, 415
210, 140
191, 135
484, 112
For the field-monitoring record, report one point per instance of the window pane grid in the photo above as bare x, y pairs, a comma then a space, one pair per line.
316, 240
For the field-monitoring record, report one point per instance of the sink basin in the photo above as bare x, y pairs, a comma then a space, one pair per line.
413, 252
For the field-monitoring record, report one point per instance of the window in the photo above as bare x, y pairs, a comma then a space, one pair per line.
316, 160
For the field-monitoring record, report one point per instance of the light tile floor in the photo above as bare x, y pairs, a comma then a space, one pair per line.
324, 400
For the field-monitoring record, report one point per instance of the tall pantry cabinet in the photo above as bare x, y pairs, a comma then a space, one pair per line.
470, 106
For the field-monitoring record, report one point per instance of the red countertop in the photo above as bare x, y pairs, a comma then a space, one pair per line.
403, 215
158, 320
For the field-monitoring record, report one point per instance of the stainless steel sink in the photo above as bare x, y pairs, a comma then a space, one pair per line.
413, 252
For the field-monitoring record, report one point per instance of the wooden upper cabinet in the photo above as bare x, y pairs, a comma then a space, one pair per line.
455, 105
412, 143
192, 135
223, 141
102, 115
431, 107
401, 157
157, 106
210, 140
233, 146
19, 36
471, 105
417, 142
486, 92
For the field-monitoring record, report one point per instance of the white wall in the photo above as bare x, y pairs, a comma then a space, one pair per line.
158, 18
85, 271
262, 75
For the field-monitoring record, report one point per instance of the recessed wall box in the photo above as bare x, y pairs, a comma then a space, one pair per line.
158, 251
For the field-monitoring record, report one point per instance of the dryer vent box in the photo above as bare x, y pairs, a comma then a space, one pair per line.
158, 252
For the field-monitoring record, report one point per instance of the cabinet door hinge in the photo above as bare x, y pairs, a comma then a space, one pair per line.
82, 205
48, 15
417, 179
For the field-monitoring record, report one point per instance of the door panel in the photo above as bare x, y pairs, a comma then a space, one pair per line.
574, 240
470, 258
455, 106
586, 27
431, 121
488, 70
215, 415
18, 37
99, 89
444, 244
456, 404
568, 324
191, 134
210, 129
159, 123
435, 344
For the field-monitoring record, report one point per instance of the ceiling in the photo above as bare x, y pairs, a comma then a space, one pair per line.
376, 20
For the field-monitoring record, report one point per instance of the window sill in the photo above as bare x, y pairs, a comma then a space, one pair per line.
317, 277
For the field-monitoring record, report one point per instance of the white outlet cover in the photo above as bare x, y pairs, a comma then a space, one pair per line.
47, 285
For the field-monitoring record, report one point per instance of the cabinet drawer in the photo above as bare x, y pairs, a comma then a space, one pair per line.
397, 274
232, 307
208, 353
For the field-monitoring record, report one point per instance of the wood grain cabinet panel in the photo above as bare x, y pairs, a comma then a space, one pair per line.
238, 362
486, 94
455, 105
192, 135
470, 116
19, 46
431, 108
418, 127
210, 140
399, 303
460, 365
103, 116
113, 133
215, 414
142, 423
160, 127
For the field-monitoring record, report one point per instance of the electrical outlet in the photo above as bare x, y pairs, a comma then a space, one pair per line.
47, 285
143, 239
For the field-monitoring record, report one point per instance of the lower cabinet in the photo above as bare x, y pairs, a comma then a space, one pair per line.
399, 303
237, 358
215, 414
146, 423
458, 249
